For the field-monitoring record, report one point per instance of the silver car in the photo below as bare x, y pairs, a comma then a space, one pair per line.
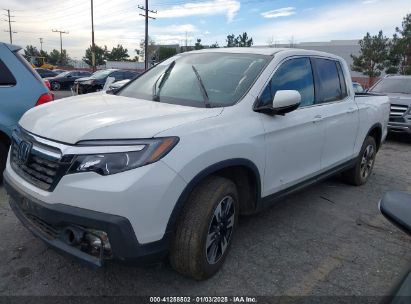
398, 89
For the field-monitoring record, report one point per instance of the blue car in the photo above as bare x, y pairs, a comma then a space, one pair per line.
21, 88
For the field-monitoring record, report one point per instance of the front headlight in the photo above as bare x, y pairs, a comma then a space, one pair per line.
141, 152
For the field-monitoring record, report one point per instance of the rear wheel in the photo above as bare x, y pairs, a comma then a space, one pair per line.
4, 148
205, 230
56, 86
359, 174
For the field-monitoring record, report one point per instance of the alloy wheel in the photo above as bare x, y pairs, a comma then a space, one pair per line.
220, 230
367, 161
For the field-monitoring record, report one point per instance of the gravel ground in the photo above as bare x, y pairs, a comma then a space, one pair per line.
328, 240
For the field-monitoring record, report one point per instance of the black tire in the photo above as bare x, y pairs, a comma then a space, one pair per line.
189, 254
55, 86
3, 158
359, 174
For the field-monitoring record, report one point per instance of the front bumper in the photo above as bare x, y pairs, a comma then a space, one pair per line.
399, 127
49, 221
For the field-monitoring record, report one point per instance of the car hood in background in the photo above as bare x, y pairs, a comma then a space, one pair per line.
104, 116
82, 79
401, 99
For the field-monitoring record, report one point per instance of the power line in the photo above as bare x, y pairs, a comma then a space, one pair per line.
10, 21
61, 43
146, 16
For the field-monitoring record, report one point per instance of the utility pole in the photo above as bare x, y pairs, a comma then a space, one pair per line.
146, 31
41, 44
10, 21
93, 46
61, 43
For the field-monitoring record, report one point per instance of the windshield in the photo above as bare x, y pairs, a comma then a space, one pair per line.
199, 80
101, 74
393, 85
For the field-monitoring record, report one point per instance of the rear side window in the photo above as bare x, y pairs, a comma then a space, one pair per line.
6, 77
294, 74
343, 84
328, 81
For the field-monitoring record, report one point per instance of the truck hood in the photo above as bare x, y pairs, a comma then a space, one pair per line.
400, 99
104, 116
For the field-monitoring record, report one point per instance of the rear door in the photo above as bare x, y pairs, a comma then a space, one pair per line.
294, 141
339, 112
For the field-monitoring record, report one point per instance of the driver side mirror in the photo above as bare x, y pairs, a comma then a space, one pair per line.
284, 101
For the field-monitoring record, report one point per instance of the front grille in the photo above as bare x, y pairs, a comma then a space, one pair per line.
398, 110
42, 167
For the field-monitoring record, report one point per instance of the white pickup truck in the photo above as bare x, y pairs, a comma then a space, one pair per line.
164, 166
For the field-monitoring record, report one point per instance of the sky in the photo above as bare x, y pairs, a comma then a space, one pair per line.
266, 21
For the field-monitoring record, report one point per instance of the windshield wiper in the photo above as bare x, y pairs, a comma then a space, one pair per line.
202, 87
156, 95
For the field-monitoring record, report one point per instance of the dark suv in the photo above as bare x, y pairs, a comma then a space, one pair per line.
96, 81
398, 89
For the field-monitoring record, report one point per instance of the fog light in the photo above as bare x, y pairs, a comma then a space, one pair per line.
95, 237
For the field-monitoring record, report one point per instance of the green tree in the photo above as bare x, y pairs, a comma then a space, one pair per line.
198, 45
30, 51
373, 55
166, 52
231, 41
400, 49
100, 55
118, 53
56, 59
214, 45
45, 55
243, 40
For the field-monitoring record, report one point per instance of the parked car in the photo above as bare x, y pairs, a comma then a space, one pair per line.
16, 76
96, 81
44, 73
118, 84
165, 166
66, 79
358, 89
398, 89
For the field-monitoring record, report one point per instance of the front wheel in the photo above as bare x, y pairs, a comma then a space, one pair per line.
56, 86
362, 170
205, 229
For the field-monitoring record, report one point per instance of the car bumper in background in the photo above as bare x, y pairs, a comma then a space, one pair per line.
397, 127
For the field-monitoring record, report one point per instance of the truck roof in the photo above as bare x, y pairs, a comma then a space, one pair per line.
267, 51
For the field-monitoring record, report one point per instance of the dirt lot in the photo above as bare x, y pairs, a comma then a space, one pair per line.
327, 240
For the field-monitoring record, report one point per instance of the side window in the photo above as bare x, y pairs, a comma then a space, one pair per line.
328, 81
294, 74
117, 75
6, 77
343, 84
